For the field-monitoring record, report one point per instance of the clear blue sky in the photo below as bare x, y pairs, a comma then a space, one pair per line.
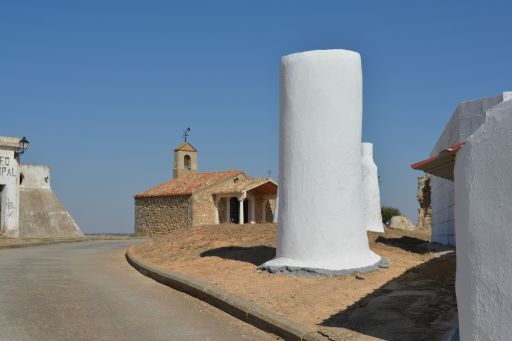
103, 89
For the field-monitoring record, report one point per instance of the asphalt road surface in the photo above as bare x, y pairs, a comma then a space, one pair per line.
87, 291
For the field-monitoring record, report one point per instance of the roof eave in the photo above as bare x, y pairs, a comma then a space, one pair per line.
441, 165
137, 196
181, 146
216, 183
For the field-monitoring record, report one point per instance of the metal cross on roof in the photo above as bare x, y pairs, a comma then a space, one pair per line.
186, 134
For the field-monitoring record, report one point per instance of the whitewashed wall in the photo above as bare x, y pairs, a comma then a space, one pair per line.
35, 176
9, 179
483, 213
467, 118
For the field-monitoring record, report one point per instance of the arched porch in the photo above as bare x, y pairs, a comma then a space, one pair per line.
252, 203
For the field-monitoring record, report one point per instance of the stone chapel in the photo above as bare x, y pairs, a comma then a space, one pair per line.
192, 198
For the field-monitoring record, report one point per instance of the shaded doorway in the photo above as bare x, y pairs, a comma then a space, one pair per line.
234, 211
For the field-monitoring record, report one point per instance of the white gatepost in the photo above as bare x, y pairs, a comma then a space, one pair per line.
321, 223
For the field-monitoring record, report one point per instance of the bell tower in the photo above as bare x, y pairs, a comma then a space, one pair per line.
185, 158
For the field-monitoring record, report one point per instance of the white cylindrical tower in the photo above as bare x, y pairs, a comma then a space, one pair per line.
371, 192
321, 223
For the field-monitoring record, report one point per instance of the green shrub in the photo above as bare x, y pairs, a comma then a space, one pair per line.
388, 213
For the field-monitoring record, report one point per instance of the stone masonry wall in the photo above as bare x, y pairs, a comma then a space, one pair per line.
203, 207
258, 209
269, 210
223, 207
159, 215
425, 210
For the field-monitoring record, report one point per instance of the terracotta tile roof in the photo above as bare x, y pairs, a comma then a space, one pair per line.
249, 184
441, 165
187, 184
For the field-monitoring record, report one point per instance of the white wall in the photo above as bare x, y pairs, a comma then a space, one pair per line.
9, 178
483, 214
467, 118
35, 176
443, 202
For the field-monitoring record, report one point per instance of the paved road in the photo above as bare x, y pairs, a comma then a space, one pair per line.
87, 291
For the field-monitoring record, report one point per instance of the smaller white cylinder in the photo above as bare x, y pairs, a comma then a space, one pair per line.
371, 192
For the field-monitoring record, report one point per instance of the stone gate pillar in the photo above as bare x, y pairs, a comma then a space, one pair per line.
321, 222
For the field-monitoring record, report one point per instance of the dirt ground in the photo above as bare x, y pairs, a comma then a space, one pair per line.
414, 299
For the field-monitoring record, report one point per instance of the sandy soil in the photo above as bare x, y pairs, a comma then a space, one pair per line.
413, 299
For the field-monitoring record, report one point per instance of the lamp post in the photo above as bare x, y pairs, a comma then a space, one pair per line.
23, 145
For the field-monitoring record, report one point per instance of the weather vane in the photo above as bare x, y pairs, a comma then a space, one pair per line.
186, 134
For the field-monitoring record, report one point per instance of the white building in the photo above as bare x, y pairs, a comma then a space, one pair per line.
466, 119
9, 189
472, 193
29, 207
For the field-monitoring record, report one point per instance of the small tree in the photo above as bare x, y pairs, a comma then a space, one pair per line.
388, 213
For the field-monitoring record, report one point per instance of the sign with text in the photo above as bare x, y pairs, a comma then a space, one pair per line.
8, 165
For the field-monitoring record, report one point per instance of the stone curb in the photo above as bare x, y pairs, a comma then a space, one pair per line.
240, 308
